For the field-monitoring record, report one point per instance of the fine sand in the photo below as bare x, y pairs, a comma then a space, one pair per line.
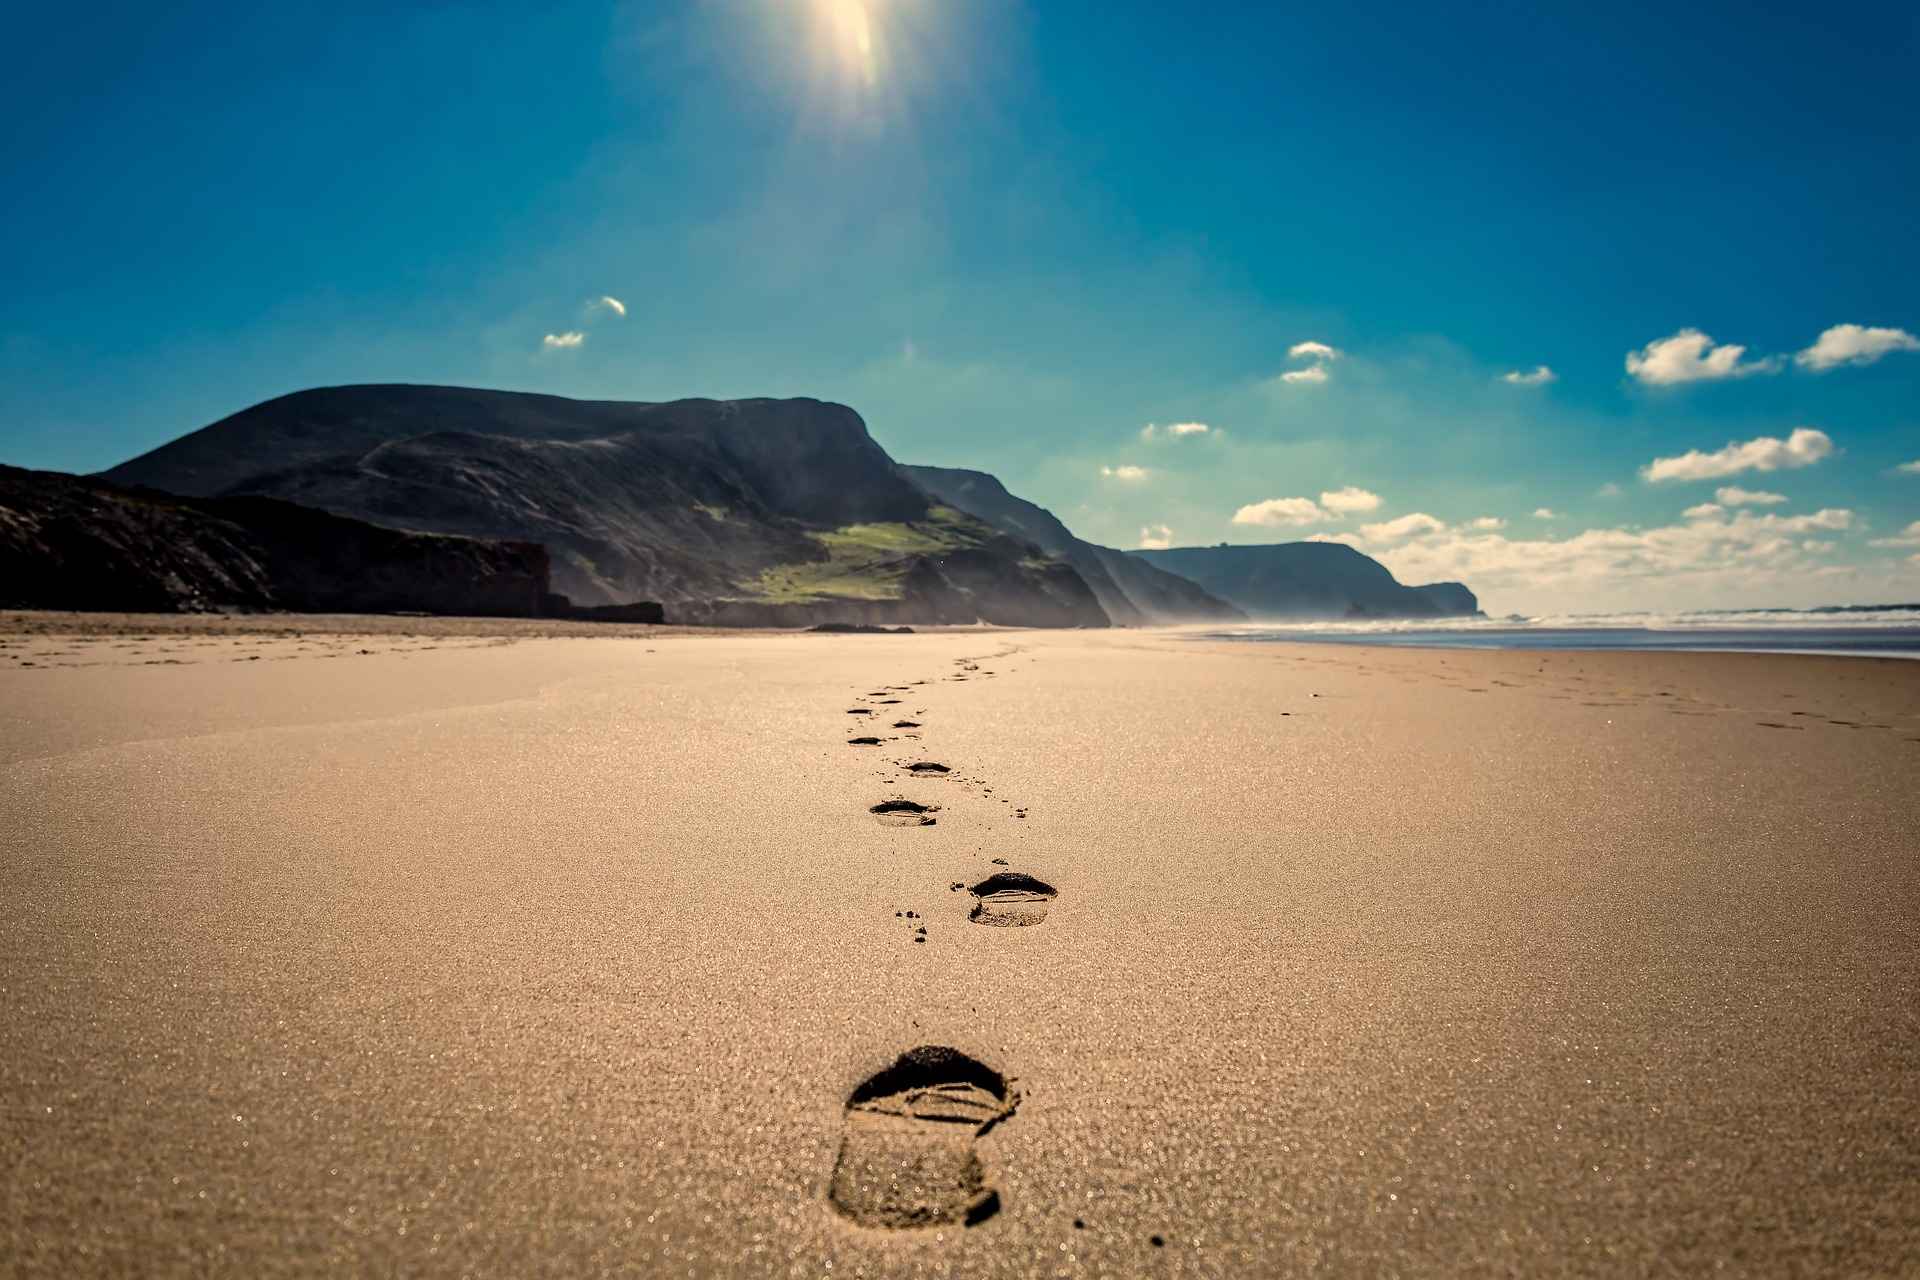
402, 947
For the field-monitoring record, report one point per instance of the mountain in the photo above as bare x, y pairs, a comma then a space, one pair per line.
68, 542
1310, 580
1132, 591
779, 512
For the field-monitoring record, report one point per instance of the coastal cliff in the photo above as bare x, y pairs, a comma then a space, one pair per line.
1311, 580
770, 512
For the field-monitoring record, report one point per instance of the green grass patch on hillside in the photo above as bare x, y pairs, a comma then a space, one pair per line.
867, 561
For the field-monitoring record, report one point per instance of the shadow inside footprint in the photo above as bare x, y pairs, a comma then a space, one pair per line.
904, 813
1009, 898
928, 767
863, 742
906, 724
907, 1155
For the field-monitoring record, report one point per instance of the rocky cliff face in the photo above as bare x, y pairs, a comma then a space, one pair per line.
783, 511
67, 542
1310, 580
1133, 592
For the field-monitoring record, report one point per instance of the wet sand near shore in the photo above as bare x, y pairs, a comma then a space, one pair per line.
511, 954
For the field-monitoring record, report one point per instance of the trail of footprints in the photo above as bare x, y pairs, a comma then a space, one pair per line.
907, 1153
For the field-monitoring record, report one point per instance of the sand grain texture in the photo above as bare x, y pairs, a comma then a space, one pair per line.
566, 956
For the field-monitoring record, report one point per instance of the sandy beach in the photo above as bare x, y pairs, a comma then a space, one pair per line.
416, 949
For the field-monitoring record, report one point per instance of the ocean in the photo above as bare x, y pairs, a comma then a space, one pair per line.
1880, 631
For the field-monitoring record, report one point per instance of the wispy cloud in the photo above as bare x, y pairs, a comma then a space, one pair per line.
611, 303
1280, 513
1155, 537
1174, 430
563, 341
1349, 501
1545, 513
1607, 490
1691, 356
1414, 524
1321, 355
1908, 468
1540, 377
1734, 496
1853, 344
1907, 537
1126, 471
1486, 524
1804, 447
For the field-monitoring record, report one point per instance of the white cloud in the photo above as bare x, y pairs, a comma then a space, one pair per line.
1691, 356
1276, 512
1817, 547
1312, 351
1804, 447
1319, 353
1545, 513
1908, 537
1705, 511
1487, 524
612, 304
1155, 537
1538, 378
1734, 496
1125, 471
1829, 519
1854, 344
555, 341
1415, 524
1731, 552
1908, 468
1174, 430
1349, 501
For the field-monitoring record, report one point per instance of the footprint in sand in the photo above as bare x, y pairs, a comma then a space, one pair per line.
904, 813
906, 724
863, 742
859, 711
928, 769
907, 1155
1010, 899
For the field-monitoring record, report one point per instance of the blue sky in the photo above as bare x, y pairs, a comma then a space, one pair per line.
1014, 236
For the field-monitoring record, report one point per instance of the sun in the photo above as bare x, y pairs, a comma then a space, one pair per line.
848, 29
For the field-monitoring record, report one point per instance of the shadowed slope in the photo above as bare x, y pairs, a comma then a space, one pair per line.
1131, 591
747, 511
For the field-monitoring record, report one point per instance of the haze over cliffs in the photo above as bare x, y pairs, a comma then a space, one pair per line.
748, 511
1132, 591
1311, 580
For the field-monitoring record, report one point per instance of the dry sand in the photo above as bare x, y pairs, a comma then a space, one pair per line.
516, 956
